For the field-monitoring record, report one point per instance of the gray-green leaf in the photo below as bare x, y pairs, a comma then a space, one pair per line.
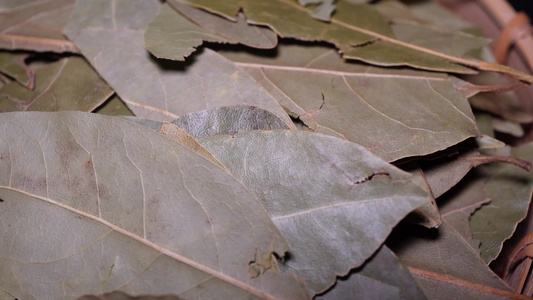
333, 201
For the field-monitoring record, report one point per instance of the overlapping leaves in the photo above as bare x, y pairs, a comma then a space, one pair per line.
286, 151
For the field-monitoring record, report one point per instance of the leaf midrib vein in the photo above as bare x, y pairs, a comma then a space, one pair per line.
331, 72
315, 209
468, 284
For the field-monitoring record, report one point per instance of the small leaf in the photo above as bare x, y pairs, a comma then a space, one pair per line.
68, 84
35, 25
320, 191
440, 175
172, 36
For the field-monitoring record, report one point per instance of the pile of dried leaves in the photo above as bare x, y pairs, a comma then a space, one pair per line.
254, 149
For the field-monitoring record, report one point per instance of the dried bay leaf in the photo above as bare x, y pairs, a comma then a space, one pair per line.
383, 276
171, 35
458, 205
68, 84
160, 90
359, 31
253, 36
35, 25
442, 174
109, 211
322, 191
510, 192
445, 266
13, 65
353, 29
379, 110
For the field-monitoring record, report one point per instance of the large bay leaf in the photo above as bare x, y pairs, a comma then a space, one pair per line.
173, 36
13, 65
383, 276
112, 40
379, 109
510, 190
35, 25
445, 266
92, 204
333, 201
68, 84
358, 31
